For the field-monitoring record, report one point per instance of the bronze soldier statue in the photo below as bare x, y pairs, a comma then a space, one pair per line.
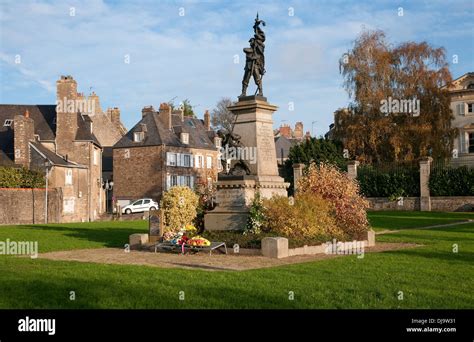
255, 59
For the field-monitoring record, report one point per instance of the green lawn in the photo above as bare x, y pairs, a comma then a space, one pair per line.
392, 220
431, 276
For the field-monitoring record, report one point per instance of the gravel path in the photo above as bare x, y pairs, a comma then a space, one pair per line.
203, 261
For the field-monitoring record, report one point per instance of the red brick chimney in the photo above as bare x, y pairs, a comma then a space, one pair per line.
165, 114
146, 110
207, 120
285, 130
23, 133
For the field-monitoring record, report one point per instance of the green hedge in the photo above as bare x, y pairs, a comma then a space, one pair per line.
390, 182
446, 181
20, 178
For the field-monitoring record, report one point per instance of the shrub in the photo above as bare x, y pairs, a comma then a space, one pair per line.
403, 181
309, 217
327, 182
206, 196
179, 205
20, 178
446, 181
256, 217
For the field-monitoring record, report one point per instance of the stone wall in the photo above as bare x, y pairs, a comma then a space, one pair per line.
454, 203
383, 203
26, 206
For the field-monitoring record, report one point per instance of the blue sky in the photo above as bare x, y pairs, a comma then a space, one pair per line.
187, 49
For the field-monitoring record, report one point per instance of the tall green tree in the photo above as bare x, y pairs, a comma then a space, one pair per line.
316, 150
376, 72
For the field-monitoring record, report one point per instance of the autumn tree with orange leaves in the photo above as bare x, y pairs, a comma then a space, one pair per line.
375, 71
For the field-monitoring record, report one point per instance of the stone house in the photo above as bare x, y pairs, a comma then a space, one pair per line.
462, 104
164, 149
64, 139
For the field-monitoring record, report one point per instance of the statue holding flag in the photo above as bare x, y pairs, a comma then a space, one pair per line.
255, 59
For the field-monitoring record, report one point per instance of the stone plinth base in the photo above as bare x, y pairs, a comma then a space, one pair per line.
234, 197
229, 220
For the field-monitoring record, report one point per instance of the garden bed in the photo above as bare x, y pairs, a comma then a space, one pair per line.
254, 241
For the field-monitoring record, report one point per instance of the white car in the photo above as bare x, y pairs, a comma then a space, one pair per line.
141, 205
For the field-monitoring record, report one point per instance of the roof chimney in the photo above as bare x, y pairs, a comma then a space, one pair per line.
146, 110
27, 114
165, 115
180, 112
207, 120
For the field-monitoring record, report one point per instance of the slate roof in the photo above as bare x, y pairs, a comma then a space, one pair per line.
156, 134
44, 117
83, 131
54, 158
284, 143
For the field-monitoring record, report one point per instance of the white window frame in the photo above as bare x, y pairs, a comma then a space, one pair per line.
138, 136
461, 108
467, 108
188, 158
8, 123
185, 138
209, 162
68, 177
171, 159
199, 161
174, 180
218, 142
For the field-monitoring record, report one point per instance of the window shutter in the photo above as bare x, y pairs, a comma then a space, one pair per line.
191, 181
168, 182
178, 159
463, 142
168, 159
460, 108
196, 163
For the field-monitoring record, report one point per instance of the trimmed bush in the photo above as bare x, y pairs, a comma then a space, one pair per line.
179, 205
334, 186
446, 181
21, 178
309, 216
403, 181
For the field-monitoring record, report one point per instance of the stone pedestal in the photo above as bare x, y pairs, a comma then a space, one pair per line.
254, 124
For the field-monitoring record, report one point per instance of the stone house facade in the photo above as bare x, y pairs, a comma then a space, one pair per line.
60, 140
164, 149
461, 91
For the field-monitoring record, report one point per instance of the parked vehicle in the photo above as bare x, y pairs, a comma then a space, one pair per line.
139, 206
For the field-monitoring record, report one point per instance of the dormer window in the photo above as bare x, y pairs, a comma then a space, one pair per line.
185, 138
8, 123
138, 136
218, 142
470, 86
